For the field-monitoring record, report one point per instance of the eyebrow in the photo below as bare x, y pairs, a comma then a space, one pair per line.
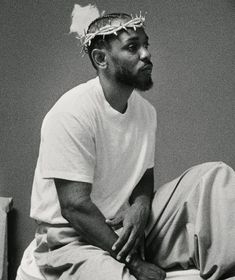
135, 38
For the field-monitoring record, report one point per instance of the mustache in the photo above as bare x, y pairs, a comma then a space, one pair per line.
147, 66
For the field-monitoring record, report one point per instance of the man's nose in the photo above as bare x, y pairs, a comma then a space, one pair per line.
144, 54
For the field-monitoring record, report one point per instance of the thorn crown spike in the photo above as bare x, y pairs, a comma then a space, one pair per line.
109, 28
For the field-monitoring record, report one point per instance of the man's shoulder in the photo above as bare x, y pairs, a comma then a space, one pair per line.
79, 103
80, 92
78, 99
144, 104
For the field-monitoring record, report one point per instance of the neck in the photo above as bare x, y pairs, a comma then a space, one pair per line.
115, 93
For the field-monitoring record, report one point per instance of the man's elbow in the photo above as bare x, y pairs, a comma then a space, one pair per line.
76, 208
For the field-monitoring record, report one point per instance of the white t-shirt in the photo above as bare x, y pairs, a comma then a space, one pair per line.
84, 139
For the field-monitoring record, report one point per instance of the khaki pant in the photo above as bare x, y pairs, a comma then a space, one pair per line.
192, 225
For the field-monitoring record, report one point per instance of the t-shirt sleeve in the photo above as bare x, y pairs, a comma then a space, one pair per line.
67, 148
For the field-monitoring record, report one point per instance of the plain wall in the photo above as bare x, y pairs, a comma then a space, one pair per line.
192, 46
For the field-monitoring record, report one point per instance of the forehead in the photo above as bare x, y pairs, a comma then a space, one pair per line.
130, 35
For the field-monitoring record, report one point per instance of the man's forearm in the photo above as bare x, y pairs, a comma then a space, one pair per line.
84, 216
89, 222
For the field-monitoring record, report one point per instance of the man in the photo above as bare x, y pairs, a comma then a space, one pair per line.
93, 186
96, 158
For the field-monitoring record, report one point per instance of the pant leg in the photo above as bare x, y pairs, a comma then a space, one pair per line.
62, 255
193, 222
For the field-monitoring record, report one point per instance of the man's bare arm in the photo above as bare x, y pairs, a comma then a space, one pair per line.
83, 215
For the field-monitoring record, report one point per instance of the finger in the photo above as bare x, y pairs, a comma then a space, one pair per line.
133, 251
127, 246
142, 249
114, 224
122, 239
115, 221
162, 274
136, 245
139, 246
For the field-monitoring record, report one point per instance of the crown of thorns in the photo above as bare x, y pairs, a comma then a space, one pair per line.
108, 29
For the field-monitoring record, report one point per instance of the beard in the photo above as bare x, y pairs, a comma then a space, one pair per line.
141, 81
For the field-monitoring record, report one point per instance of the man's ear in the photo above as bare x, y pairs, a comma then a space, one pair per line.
99, 58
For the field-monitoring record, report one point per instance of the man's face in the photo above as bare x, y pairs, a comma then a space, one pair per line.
129, 59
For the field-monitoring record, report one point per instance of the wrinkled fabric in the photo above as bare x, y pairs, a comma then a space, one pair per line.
192, 225
193, 222
62, 254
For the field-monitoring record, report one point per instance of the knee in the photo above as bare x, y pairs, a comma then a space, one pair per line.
216, 165
223, 166
219, 175
210, 174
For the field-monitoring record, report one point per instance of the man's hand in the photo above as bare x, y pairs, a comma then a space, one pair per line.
117, 222
134, 221
146, 271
